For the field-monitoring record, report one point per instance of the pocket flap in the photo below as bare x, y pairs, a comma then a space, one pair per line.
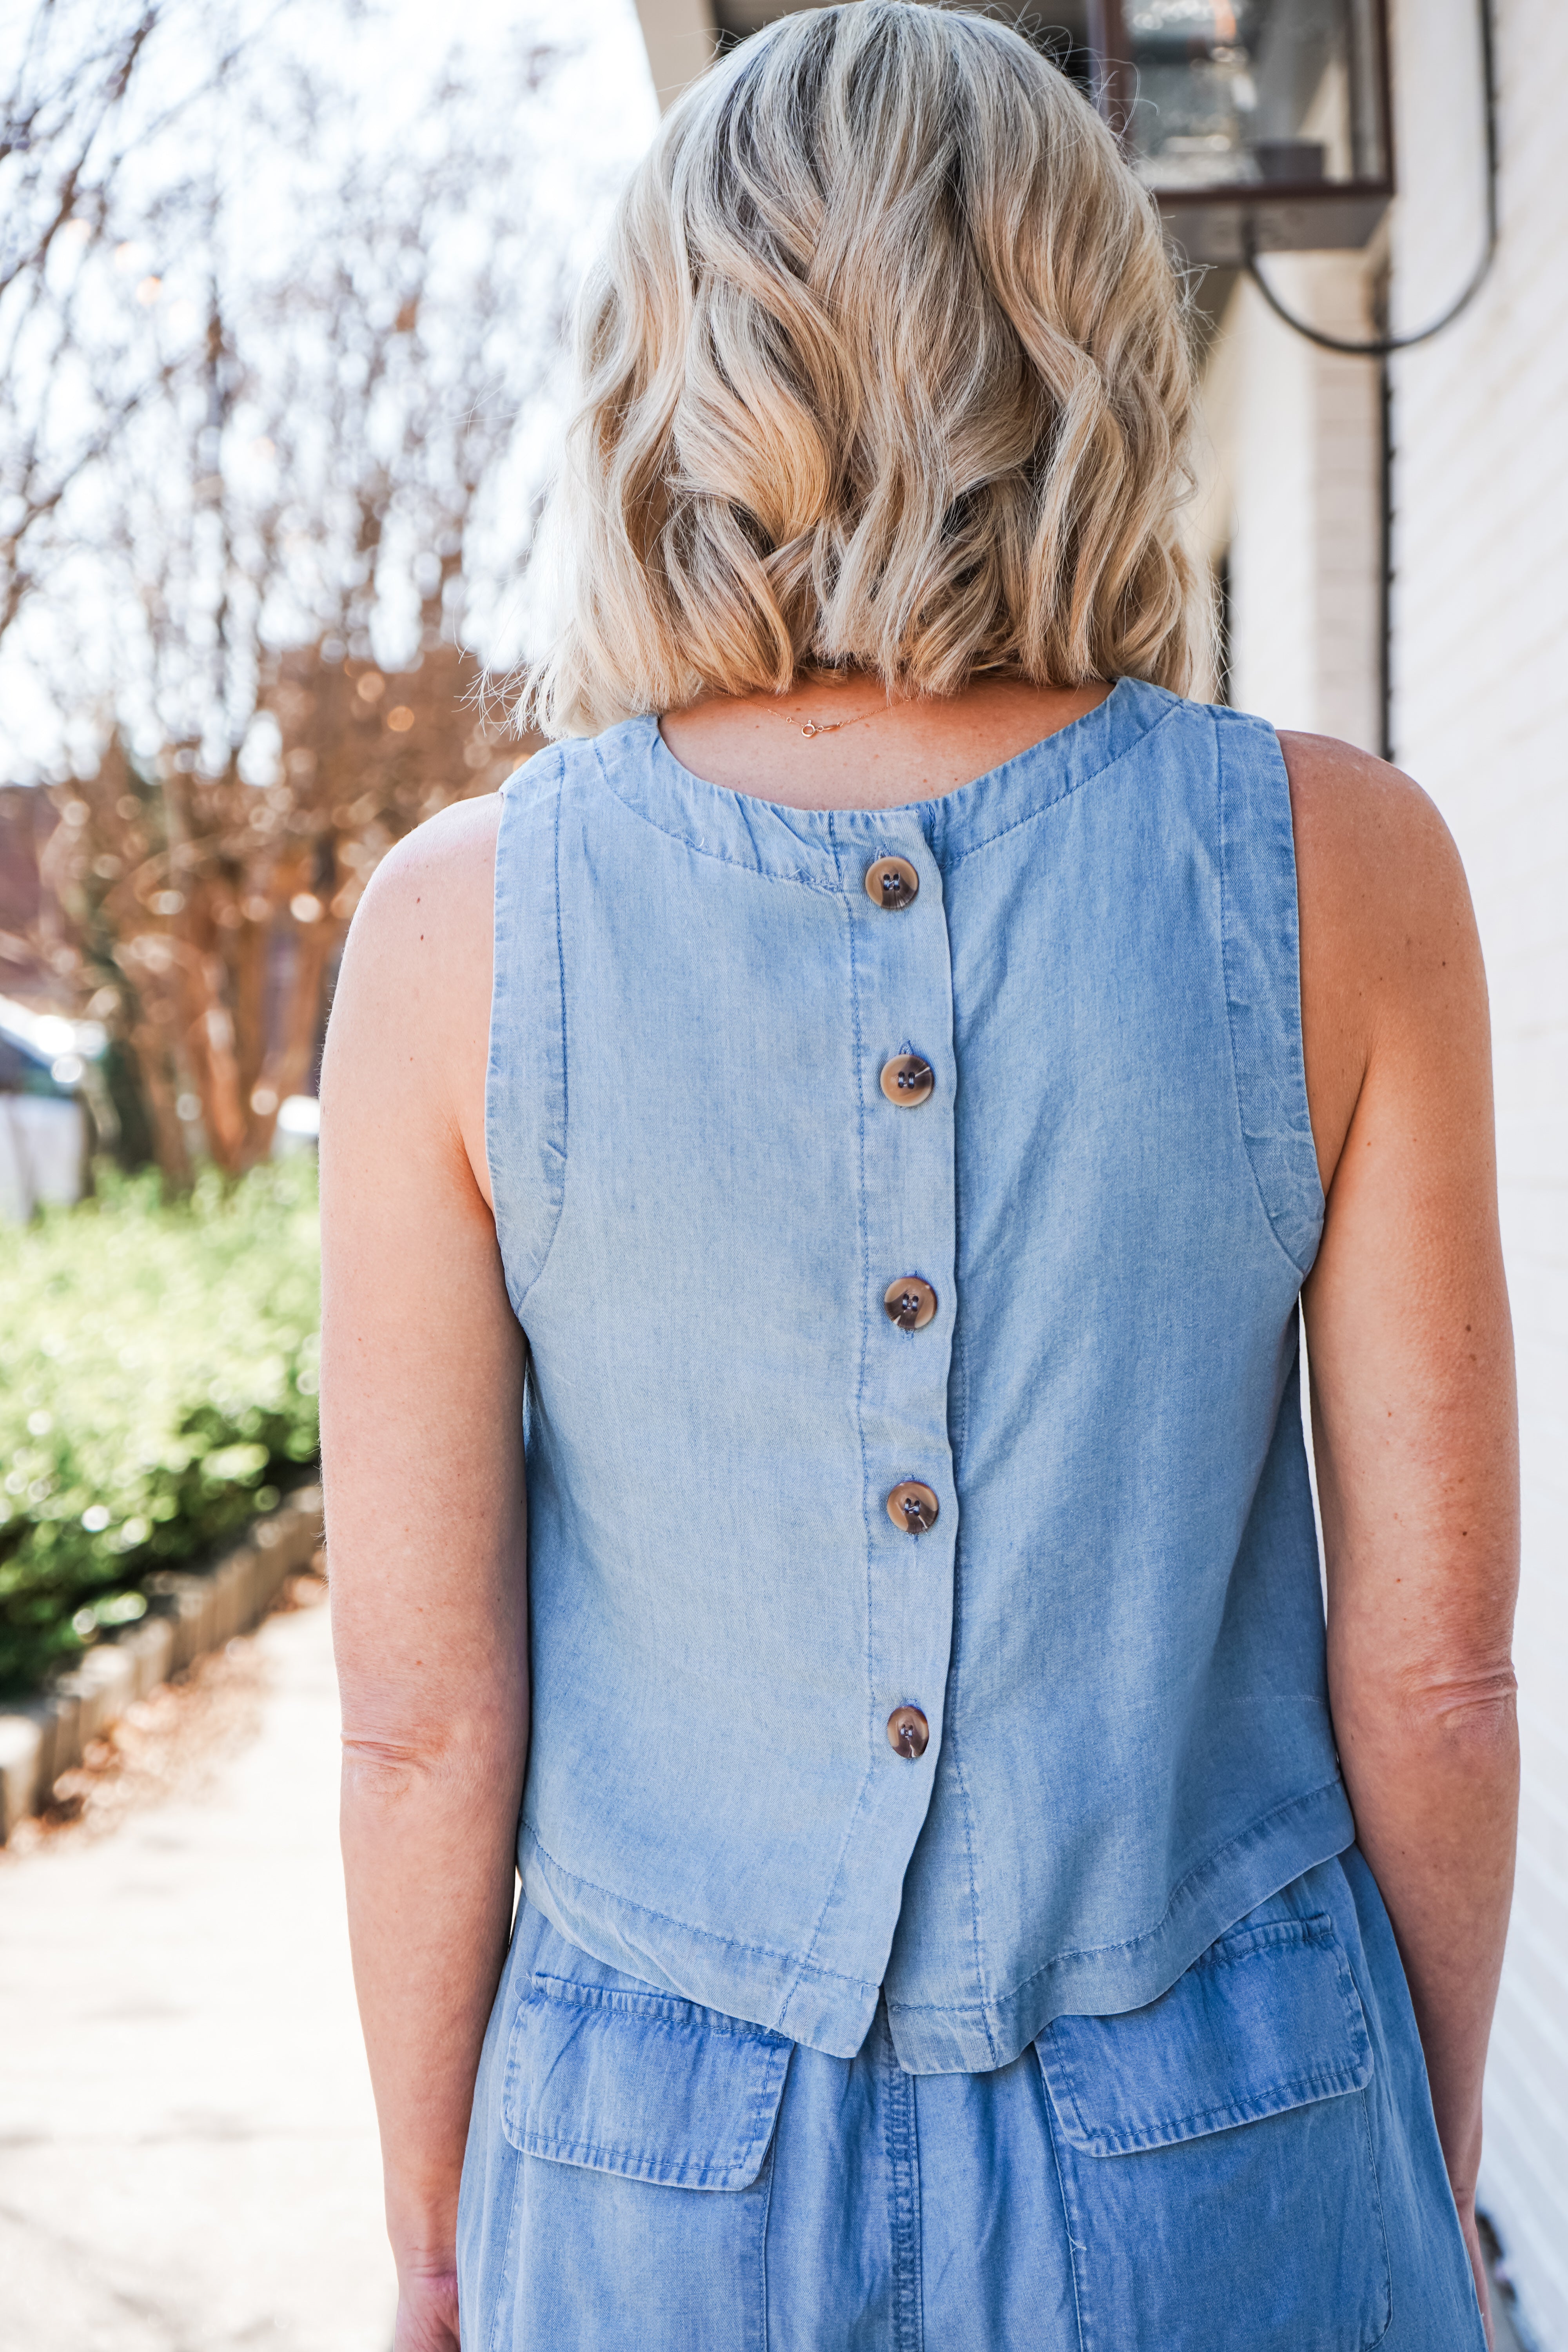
641, 2084
1268, 2018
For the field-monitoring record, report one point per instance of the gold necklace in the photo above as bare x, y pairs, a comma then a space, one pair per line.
810, 726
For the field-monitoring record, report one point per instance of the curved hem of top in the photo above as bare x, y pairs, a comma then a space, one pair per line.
1248, 1869
834, 2014
751, 1981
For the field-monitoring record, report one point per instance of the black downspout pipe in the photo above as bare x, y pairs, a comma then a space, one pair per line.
1379, 347
1386, 560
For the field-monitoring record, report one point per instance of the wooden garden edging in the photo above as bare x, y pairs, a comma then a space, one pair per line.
188, 1615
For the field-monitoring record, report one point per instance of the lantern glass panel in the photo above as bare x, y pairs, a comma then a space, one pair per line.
1236, 93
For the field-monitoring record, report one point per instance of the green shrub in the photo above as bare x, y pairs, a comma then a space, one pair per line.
158, 1368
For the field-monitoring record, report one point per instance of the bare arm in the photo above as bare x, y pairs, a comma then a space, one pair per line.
1413, 1398
421, 1418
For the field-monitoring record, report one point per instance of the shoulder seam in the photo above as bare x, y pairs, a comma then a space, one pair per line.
1226, 897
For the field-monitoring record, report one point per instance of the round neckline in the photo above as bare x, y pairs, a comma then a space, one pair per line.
1075, 734
808, 847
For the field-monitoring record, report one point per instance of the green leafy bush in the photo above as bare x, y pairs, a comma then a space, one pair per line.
158, 1367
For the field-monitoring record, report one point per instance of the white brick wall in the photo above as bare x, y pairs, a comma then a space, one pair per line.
1481, 718
1293, 433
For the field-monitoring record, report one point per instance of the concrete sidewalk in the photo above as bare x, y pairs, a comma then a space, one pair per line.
187, 2145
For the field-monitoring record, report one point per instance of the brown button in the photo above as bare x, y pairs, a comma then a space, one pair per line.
912, 1507
893, 883
907, 1079
910, 1303
908, 1732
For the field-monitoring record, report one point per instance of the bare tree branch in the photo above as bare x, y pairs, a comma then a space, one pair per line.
281, 533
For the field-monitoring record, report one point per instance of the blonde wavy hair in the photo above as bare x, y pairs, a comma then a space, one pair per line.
885, 368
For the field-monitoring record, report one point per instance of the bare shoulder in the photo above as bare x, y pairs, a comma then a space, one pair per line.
1389, 950
408, 1039
1366, 834
442, 873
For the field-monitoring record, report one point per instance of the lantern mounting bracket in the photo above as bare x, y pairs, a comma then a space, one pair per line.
1381, 347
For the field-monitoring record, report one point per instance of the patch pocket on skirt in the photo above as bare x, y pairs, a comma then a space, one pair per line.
642, 2084
1216, 2155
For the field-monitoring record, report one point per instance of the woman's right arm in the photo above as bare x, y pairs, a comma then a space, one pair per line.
1413, 1398
421, 1396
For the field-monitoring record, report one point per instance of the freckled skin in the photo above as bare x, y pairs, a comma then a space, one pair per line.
1411, 1383
1407, 1310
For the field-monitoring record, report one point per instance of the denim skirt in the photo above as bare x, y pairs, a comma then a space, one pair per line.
1249, 2164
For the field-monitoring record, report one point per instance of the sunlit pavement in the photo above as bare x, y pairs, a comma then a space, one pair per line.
187, 2145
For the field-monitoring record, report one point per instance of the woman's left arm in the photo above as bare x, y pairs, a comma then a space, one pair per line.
421, 1397
1413, 1398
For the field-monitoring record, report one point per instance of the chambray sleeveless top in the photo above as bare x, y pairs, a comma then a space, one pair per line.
973, 1657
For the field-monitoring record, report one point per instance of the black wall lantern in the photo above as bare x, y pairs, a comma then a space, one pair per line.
1260, 125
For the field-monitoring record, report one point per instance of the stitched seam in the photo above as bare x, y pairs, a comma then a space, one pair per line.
647, 2164
1068, 790
565, 1078
1075, 2245
1269, 2099
1144, 1935
1214, 1959
1350, 1996
1246, 1945
1298, 1043
509, 2265
1368, 2342
501, 996
950, 1721
856, 1810
704, 1934
804, 882
657, 2009
503, 2300
636, 2164
951, 1713
1226, 896
903, 2208
769, 2154
736, 864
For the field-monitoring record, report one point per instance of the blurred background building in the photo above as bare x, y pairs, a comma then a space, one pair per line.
1389, 541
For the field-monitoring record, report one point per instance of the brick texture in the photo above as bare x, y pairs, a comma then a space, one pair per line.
1481, 718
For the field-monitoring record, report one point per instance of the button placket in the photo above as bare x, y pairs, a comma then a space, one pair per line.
906, 1012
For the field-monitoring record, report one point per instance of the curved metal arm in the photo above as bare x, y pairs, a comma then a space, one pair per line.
1379, 347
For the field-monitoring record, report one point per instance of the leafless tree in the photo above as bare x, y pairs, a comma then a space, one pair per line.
88, 86
289, 525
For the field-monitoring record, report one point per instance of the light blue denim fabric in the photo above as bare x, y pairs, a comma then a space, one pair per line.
1114, 1628
1248, 2165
